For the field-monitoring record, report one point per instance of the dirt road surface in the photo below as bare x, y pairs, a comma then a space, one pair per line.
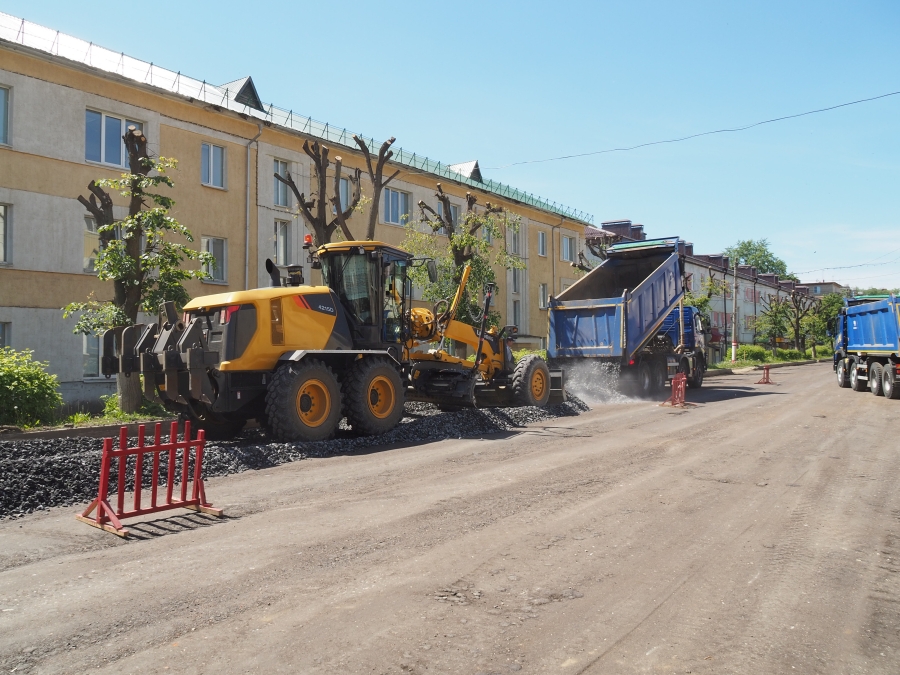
756, 533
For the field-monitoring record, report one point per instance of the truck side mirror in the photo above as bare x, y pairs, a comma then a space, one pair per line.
431, 266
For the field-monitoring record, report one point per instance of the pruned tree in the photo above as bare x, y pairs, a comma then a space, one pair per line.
376, 175
325, 215
800, 306
774, 320
136, 253
468, 243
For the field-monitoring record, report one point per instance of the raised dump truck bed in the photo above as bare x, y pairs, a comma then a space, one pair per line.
617, 312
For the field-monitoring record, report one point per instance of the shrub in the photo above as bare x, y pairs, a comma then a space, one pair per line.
28, 394
789, 355
752, 353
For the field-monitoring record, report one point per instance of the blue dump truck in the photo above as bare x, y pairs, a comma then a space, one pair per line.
867, 345
627, 315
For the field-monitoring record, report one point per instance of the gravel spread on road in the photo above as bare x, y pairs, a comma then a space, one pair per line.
39, 474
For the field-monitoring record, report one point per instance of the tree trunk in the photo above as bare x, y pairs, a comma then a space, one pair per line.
129, 392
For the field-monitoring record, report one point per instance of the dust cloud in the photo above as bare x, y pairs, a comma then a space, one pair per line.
595, 382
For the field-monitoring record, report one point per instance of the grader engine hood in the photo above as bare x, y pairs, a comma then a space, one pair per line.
225, 342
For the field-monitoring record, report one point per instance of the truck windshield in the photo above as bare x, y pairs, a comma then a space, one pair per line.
353, 277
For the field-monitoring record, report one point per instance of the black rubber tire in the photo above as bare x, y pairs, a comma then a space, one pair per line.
373, 396
531, 381
644, 380
888, 385
695, 381
843, 377
217, 428
876, 373
285, 400
660, 376
855, 383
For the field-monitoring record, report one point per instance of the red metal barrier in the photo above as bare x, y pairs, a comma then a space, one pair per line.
765, 379
110, 519
679, 385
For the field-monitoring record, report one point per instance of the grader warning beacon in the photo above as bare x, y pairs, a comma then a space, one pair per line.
299, 358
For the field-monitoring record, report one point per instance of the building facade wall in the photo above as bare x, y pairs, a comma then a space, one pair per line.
43, 170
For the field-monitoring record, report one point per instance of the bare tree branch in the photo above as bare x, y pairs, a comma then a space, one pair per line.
336, 201
376, 175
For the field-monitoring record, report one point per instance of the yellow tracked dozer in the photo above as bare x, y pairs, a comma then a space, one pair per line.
300, 358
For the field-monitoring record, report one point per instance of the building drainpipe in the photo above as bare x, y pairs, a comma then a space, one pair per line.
247, 217
553, 250
734, 327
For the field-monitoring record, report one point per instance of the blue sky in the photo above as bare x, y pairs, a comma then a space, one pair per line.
510, 81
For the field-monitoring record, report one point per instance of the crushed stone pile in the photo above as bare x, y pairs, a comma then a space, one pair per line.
42, 473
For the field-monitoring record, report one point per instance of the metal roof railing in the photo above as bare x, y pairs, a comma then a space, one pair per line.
22, 32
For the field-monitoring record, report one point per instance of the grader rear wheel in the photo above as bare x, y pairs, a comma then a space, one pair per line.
531, 381
373, 396
303, 402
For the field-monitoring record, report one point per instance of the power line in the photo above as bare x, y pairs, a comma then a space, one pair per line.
705, 133
847, 267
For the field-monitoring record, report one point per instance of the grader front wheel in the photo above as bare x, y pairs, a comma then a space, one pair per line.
373, 396
531, 381
303, 402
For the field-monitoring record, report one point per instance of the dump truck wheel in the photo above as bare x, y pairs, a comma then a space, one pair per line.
695, 381
876, 374
843, 379
303, 402
531, 381
888, 386
373, 396
644, 380
217, 428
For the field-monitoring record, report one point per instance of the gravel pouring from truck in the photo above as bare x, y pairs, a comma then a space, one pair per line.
628, 312
300, 358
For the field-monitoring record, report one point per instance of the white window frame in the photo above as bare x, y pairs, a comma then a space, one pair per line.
125, 124
543, 296
211, 167
386, 207
566, 248
488, 237
542, 243
344, 196
516, 313
283, 241
84, 355
515, 242
516, 280
282, 196
207, 246
454, 217
5, 236
5, 115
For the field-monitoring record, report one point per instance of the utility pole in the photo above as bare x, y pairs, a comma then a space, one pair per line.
734, 336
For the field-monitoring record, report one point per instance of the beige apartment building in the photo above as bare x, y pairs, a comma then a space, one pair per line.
64, 105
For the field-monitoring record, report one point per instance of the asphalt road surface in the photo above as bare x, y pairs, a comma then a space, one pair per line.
758, 532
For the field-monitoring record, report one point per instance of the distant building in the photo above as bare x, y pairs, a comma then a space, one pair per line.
819, 289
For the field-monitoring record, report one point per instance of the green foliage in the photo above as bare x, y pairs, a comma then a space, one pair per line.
822, 352
520, 354
468, 242
789, 355
875, 291
112, 412
139, 252
78, 418
774, 321
752, 353
28, 393
757, 253
701, 301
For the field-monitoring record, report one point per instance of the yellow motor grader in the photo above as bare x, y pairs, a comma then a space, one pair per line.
299, 358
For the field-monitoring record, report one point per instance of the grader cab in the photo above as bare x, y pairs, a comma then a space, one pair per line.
300, 358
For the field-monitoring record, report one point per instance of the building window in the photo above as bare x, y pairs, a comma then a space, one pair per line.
4, 335
212, 165
567, 248
218, 271
542, 243
90, 356
282, 191
282, 242
514, 242
454, 215
517, 313
544, 343
817, 289
4, 233
4, 116
488, 237
91, 244
515, 280
396, 207
543, 296
343, 196
103, 138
